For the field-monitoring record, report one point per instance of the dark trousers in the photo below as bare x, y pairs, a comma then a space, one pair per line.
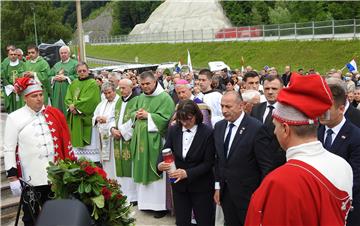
233, 215
201, 202
31, 203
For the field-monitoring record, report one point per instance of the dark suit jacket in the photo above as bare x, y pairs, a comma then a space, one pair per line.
258, 111
347, 146
198, 162
353, 115
267, 139
244, 167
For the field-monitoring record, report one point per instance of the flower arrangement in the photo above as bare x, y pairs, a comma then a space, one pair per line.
83, 180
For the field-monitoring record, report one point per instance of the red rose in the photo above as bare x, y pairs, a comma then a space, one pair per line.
119, 196
89, 170
73, 158
101, 172
84, 164
106, 193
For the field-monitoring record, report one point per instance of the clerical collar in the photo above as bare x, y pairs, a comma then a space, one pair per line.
211, 91
83, 79
14, 63
35, 60
126, 99
66, 61
157, 90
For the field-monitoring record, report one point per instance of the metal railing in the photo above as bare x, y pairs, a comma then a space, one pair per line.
333, 29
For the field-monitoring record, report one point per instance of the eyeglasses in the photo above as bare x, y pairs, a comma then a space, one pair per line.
82, 71
13, 54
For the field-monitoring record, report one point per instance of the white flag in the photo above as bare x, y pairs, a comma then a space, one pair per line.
189, 61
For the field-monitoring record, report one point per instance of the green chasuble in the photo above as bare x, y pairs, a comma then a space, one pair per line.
122, 153
9, 74
146, 145
5, 62
42, 69
59, 88
85, 95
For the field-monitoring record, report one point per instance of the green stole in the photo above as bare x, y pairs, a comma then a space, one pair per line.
123, 160
146, 146
85, 95
60, 87
42, 69
9, 75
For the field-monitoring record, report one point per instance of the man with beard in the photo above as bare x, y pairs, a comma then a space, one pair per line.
155, 108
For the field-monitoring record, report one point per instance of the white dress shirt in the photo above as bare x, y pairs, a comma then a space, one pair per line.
187, 139
234, 129
336, 129
267, 110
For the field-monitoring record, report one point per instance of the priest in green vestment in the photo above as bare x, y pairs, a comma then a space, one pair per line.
6, 61
121, 130
9, 73
38, 68
82, 97
154, 110
61, 76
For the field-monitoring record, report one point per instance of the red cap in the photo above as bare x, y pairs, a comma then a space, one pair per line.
305, 99
26, 86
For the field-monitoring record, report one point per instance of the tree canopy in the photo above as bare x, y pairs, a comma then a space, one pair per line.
17, 23
244, 13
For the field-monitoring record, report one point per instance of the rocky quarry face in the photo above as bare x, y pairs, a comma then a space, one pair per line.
185, 19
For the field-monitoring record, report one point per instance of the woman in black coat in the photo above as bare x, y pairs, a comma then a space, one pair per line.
192, 145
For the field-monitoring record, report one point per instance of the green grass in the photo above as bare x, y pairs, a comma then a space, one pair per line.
321, 55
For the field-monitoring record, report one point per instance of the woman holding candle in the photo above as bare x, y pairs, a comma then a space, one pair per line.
192, 146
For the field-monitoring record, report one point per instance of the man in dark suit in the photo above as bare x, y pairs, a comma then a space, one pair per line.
351, 113
286, 76
239, 168
263, 112
341, 137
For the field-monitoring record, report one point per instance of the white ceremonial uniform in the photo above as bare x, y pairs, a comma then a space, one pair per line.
333, 167
213, 100
29, 131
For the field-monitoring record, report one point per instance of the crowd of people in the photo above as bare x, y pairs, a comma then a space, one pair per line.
264, 148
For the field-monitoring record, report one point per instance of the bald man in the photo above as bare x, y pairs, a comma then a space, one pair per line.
61, 75
239, 169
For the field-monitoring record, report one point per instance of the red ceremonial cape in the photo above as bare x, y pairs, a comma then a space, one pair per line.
298, 194
60, 134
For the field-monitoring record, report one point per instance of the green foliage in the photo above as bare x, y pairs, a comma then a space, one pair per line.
17, 24
126, 14
244, 13
279, 15
86, 182
89, 9
321, 55
95, 13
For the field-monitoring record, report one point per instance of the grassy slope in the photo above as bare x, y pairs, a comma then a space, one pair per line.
321, 55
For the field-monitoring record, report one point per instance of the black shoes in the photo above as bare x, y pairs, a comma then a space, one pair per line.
160, 214
133, 203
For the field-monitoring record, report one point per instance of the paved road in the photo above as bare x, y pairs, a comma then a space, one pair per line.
142, 217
